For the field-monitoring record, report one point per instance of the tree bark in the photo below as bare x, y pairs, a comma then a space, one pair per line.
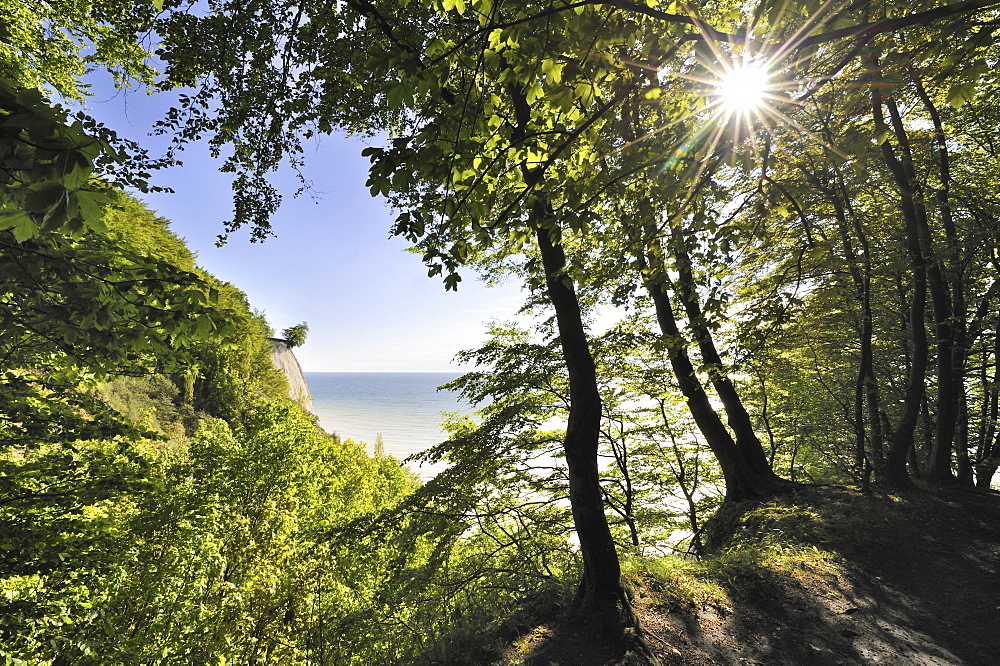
902, 439
989, 441
742, 481
946, 400
601, 592
736, 414
957, 307
601, 596
866, 384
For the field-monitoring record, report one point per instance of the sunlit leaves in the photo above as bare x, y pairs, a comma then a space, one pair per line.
960, 93
192, 561
52, 44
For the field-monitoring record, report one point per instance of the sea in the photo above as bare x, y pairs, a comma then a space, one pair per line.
405, 408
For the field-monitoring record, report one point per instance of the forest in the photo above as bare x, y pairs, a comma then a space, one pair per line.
785, 209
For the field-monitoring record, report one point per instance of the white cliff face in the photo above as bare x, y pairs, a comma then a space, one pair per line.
285, 360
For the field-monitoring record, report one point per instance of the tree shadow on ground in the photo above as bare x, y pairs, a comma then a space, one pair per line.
913, 581
919, 586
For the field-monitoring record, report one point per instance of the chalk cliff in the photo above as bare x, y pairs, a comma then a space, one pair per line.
284, 360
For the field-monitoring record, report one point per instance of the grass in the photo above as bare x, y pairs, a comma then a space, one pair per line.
675, 582
800, 539
803, 577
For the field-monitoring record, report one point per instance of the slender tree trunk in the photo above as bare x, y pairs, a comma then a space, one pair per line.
765, 417
989, 444
745, 467
916, 471
865, 385
964, 462
928, 433
876, 417
902, 439
601, 590
949, 310
736, 414
946, 401
601, 594
867, 379
742, 481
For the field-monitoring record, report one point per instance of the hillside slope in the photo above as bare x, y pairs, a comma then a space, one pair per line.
827, 576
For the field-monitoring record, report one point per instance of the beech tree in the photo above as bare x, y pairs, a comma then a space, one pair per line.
902, 127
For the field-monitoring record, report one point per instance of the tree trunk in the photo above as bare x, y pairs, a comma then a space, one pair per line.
736, 414
984, 475
902, 439
964, 462
946, 400
601, 593
866, 384
742, 481
951, 312
601, 596
988, 454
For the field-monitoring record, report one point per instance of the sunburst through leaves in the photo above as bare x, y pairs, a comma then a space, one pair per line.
741, 90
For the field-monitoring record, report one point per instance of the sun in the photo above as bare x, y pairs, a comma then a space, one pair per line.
742, 90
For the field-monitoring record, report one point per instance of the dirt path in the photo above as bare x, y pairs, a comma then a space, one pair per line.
915, 581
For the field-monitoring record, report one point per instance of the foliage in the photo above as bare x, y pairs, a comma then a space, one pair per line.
198, 549
47, 168
471, 558
99, 305
55, 517
130, 220
154, 401
242, 560
267, 545
95, 302
77, 306
581, 147
295, 336
53, 44
230, 371
220, 556
826, 266
235, 370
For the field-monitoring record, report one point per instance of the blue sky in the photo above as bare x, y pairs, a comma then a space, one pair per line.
369, 304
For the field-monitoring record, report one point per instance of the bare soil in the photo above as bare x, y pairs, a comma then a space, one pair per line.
914, 581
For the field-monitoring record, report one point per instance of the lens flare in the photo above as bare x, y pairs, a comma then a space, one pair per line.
742, 90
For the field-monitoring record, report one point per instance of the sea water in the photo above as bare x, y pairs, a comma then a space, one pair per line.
405, 408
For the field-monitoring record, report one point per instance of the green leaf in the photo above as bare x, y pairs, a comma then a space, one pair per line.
23, 232
43, 196
399, 94
534, 92
960, 93
10, 218
92, 205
